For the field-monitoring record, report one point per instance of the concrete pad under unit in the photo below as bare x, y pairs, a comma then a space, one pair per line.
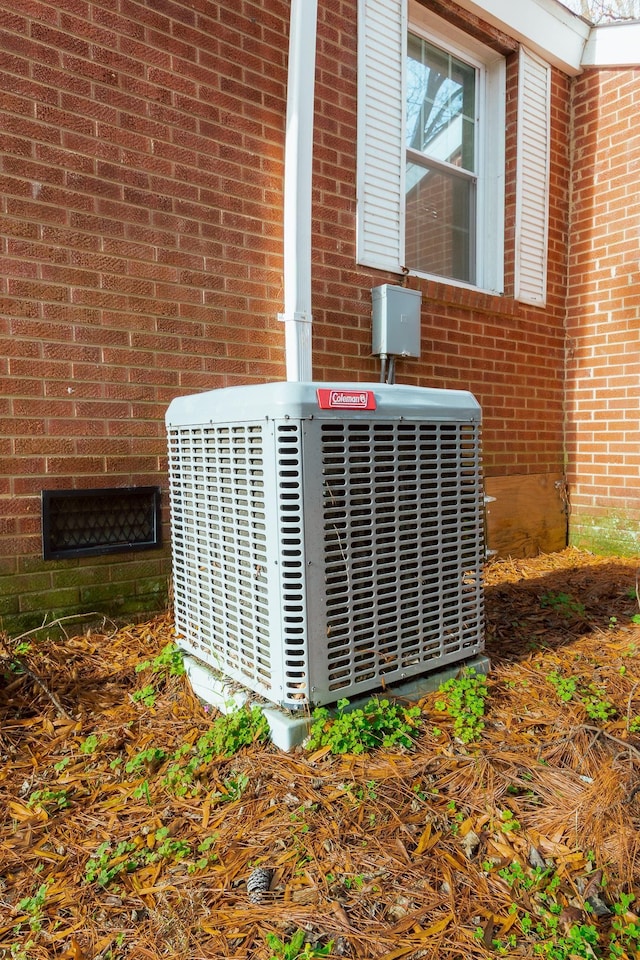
288, 729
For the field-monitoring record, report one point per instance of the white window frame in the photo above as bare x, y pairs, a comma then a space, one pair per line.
490, 70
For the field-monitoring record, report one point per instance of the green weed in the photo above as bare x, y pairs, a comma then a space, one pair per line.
109, 862
146, 695
508, 824
114, 954
565, 687
578, 941
563, 603
169, 661
515, 876
379, 723
234, 787
457, 817
49, 800
207, 855
150, 758
90, 744
142, 792
226, 736
297, 948
21, 951
463, 698
624, 939
592, 697
538, 900
353, 883
596, 704
232, 731
34, 906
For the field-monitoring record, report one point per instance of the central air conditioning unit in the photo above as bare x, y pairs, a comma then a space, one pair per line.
327, 540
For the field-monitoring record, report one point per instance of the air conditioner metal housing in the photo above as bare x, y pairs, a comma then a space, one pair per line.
327, 539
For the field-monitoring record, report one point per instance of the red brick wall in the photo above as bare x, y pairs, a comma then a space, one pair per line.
140, 238
140, 246
603, 358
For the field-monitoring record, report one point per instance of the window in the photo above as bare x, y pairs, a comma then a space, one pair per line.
431, 153
441, 179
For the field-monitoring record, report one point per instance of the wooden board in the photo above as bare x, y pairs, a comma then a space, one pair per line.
528, 515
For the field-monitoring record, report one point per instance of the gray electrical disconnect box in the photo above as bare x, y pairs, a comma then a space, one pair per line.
396, 321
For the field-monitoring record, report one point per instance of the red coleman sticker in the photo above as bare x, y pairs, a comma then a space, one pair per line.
342, 398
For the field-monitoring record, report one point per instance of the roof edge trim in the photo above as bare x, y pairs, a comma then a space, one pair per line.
613, 45
544, 26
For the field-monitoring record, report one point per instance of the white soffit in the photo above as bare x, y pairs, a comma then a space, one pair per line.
613, 45
545, 26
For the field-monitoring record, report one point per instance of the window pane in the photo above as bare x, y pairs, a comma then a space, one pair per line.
441, 97
440, 226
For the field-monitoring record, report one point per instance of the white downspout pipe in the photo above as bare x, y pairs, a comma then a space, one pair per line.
298, 176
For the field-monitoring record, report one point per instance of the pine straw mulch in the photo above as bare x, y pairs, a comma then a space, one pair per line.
390, 855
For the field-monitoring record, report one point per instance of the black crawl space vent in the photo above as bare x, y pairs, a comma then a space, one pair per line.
84, 523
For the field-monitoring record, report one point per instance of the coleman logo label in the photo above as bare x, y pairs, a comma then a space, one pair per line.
343, 399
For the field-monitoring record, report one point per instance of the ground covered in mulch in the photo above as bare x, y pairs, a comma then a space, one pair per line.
124, 834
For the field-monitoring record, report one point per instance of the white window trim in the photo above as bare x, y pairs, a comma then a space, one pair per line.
490, 100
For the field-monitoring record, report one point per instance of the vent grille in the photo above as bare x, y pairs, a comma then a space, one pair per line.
83, 523
219, 548
403, 543
292, 559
